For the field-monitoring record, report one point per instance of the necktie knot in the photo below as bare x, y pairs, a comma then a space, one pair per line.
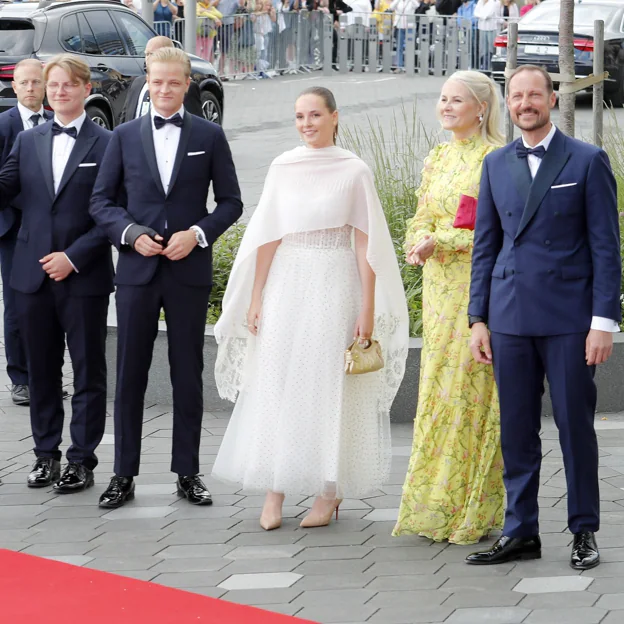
56, 129
35, 119
522, 151
160, 122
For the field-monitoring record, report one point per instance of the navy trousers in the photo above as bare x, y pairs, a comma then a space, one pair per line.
15, 355
46, 318
138, 313
520, 364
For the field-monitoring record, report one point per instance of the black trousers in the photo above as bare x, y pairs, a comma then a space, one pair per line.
138, 312
46, 319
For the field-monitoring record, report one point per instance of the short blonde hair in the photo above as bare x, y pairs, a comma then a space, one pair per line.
72, 64
28, 62
156, 43
170, 55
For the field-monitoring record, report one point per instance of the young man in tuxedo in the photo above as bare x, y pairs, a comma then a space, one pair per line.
137, 101
29, 112
62, 275
163, 165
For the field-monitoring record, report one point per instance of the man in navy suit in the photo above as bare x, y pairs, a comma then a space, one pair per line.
62, 275
163, 165
546, 284
30, 91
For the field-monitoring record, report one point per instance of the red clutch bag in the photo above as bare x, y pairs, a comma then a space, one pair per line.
466, 213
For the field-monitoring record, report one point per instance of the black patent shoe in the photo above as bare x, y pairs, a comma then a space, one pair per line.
585, 553
20, 394
508, 549
75, 478
194, 490
119, 490
44, 473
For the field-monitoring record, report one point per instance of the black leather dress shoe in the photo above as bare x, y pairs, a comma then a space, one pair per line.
508, 549
44, 473
585, 553
75, 478
194, 490
20, 394
120, 490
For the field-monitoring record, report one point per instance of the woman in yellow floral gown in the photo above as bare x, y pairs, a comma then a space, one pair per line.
454, 485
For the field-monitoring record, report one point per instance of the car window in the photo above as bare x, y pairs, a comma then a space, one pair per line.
134, 31
16, 37
547, 15
70, 35
88, 38
105, 32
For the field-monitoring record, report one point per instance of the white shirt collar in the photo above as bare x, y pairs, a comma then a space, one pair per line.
545, 142
26, 113
77, 123
153, 113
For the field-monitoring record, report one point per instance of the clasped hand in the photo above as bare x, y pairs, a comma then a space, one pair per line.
56, 265
420, 253
180, 245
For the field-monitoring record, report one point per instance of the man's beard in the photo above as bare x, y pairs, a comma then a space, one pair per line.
539, 122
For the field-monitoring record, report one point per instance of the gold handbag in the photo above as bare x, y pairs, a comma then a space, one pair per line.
362, 358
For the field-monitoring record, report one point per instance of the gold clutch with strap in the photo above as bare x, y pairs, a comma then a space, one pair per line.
363, 358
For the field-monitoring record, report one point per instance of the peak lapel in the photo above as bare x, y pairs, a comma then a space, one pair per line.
147, 138
84, 142
42, 136
553, 162
184, 139
17, 125
520, 174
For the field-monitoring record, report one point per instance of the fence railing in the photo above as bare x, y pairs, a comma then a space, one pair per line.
263, 45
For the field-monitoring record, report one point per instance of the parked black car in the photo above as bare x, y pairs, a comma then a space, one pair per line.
109, 37
538, 42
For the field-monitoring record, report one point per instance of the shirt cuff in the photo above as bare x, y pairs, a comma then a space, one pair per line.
123, 234
605, 324
70, 262
202, 237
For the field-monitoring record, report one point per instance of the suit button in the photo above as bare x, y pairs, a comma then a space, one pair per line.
516, 243
53, 211
511, 272
557, 214
551, 271
546, 242
509, 213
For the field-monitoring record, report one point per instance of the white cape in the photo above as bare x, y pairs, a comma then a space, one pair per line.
305, 190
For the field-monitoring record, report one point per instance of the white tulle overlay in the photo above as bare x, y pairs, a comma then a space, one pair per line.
300, 425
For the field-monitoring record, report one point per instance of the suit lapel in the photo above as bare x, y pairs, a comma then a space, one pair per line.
520, 174
42, 136
49, 115
84, 143
147, 138
17, 125
184, 139
553, 162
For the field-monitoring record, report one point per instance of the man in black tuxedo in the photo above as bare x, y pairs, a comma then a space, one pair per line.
163, 164
29, 112
138, 100
62, 274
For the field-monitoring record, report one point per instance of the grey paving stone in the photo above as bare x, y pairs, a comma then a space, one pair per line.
461, 569
338, 613
202, 525
402, 554
333, 597
68, 513
489, 615
546, 585
52, 536
130, 512
615, 617
578, 615
119, 564
350, 566
77, 560
253, 566
559, 600
383, 515
407, 599
611, 585
267, 538
336, 539
465, 599
181, 538
333, 552
612, 601
127, 549
264, 552
121, 537
136, 525
334, 581
392, 568
211, 592
407, 615
406, 582
607, 570
267, 580
60, 549
193, 564
196, 550
181, 580
262, 596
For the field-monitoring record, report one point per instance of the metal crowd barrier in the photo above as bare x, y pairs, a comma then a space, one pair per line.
263, 45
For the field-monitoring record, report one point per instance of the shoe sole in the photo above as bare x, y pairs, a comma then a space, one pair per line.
21, 402
128, 497
37, 486
82, 488
520, 557
585, 567
181, 494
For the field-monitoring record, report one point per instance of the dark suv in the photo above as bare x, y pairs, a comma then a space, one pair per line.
109, 37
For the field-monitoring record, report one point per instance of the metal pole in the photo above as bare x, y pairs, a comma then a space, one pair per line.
190, 26
328, 33
147, 12
512, 63
598, 104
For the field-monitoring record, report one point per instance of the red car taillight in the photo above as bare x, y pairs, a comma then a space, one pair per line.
584, 45
500, 41
6, 72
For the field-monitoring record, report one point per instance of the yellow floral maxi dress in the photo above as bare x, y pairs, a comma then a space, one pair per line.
454, 485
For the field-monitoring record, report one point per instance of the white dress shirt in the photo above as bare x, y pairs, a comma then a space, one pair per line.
598, 322
26, 114
62, 146
143, 105
166, 142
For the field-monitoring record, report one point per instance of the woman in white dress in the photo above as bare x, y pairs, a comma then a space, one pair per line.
315, 269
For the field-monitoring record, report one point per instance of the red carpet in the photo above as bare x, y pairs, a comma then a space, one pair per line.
34, 590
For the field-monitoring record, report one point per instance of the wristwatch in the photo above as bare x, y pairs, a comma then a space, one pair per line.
197, 235
472, 319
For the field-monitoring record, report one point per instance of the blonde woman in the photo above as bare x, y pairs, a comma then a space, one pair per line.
454, 486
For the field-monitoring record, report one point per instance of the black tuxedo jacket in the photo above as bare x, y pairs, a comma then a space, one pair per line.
192, 100
57, 221
10, 126
128, 190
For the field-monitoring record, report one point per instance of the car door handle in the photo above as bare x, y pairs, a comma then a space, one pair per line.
103, 67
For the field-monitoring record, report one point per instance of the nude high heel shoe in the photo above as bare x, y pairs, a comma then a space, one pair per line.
271, 517
318, 520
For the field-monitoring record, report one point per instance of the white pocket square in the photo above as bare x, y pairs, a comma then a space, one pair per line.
195, 153
87, 165
564, 185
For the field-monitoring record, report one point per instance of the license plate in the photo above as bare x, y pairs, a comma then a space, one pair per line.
542, 50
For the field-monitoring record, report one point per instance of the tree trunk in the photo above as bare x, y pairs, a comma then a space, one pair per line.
566, 64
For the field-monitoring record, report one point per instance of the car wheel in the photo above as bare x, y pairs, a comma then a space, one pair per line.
210, 107
99, 117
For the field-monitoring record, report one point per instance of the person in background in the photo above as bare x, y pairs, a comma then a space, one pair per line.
507, 11
208, 21
164, 12
178, 23
487, 11
528, 6
465, 14
401, 8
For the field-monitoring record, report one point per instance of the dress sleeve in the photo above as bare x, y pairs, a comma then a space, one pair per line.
423, 222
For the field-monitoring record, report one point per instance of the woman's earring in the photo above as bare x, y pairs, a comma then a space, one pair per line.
480, 118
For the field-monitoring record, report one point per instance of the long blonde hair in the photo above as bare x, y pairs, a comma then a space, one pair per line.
485, 91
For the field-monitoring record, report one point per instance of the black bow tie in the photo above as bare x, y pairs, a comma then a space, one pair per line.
522, 151
56, 129
176, 120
